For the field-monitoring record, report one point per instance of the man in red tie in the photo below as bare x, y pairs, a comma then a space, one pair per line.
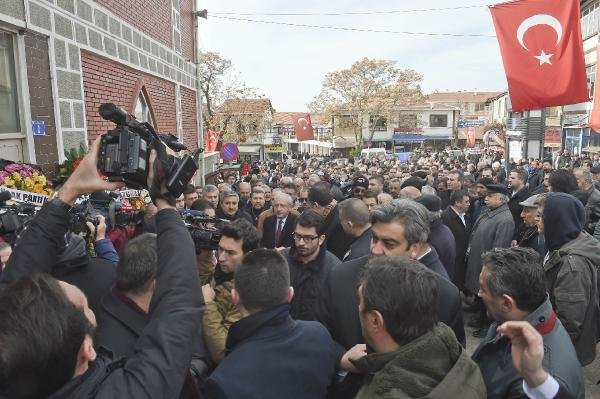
279, 227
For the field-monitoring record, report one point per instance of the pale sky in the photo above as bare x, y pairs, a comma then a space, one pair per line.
287, 64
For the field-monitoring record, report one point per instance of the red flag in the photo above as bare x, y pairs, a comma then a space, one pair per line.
212, 138
303, 128
595, 117
542, 52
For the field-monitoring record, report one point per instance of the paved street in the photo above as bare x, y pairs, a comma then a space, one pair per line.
592, 371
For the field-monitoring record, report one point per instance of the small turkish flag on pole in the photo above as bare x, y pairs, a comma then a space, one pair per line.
542, 52
212, 138
303, 128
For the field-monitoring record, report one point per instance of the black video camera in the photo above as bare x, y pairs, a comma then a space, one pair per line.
14, 217
205, 230
125, 153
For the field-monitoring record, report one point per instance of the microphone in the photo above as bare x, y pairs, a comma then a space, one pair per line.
4, 196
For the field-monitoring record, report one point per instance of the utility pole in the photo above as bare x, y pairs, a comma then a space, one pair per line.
199, 119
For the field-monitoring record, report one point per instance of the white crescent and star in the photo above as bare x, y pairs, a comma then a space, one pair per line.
540, 19
304, 123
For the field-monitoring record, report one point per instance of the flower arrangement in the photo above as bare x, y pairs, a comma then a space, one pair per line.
24, 177
72, 161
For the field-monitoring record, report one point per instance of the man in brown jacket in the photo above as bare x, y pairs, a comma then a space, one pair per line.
237, 238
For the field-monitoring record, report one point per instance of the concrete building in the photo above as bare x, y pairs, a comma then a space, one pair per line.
61, 59
323, 144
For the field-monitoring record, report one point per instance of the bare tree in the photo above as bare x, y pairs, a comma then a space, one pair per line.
219, 83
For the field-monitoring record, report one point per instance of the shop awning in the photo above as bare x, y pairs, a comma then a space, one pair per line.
409, 138
417, 138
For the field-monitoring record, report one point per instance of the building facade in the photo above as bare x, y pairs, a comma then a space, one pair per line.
61, 59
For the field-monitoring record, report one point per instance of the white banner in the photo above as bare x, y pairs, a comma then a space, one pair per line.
26, 196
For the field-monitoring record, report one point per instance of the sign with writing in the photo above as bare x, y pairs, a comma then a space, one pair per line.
130, 193
38, 128
466, 123
229, 151
26, 196
273, 148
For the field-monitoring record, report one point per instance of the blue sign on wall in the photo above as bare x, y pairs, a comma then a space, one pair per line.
38, 128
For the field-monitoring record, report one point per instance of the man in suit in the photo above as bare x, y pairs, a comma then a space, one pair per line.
459, 222
279, 228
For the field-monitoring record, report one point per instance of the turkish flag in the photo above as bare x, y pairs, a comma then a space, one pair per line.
542, 52
303, 128
212, 138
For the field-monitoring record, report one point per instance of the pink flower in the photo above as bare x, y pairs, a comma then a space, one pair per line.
13, 167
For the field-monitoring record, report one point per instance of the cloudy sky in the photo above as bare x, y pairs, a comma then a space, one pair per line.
287, 63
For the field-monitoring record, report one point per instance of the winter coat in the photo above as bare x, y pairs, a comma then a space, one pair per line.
571, 279
570, 271
360, 247
493, 229
493, 355
219, 315
592, 209
162, 353
272, 356
433, 366
337, 241
308, 281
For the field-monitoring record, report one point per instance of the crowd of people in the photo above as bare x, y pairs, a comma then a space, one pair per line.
333, 278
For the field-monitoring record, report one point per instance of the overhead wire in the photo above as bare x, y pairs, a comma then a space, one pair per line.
342, 28
296, 14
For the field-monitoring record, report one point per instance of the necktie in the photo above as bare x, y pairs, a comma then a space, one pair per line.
278, 232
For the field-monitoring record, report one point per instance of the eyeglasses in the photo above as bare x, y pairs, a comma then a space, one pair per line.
303, 199
306, 239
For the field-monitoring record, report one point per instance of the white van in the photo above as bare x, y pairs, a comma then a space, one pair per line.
372, 152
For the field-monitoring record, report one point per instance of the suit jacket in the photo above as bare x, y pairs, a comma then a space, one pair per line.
270, 228
461, 237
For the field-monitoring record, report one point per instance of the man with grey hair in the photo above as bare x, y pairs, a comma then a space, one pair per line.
589, 196
279, 228
399, 229
494, 228
355, 219
229, 207
211, 194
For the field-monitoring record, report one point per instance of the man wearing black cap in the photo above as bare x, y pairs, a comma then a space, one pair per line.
360, 184
440, 237
493, 229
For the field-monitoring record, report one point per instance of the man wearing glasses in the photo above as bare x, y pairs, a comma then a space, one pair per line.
309, 263
303, 199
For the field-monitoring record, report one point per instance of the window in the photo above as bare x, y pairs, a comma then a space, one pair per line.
479, 107
438, 120
589, 20
407, 123
552, 112
9, 102
142, 111
590, 72
378, 123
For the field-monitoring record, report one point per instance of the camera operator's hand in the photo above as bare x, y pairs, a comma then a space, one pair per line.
160, 203
208, 293
86, 179
100, 230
